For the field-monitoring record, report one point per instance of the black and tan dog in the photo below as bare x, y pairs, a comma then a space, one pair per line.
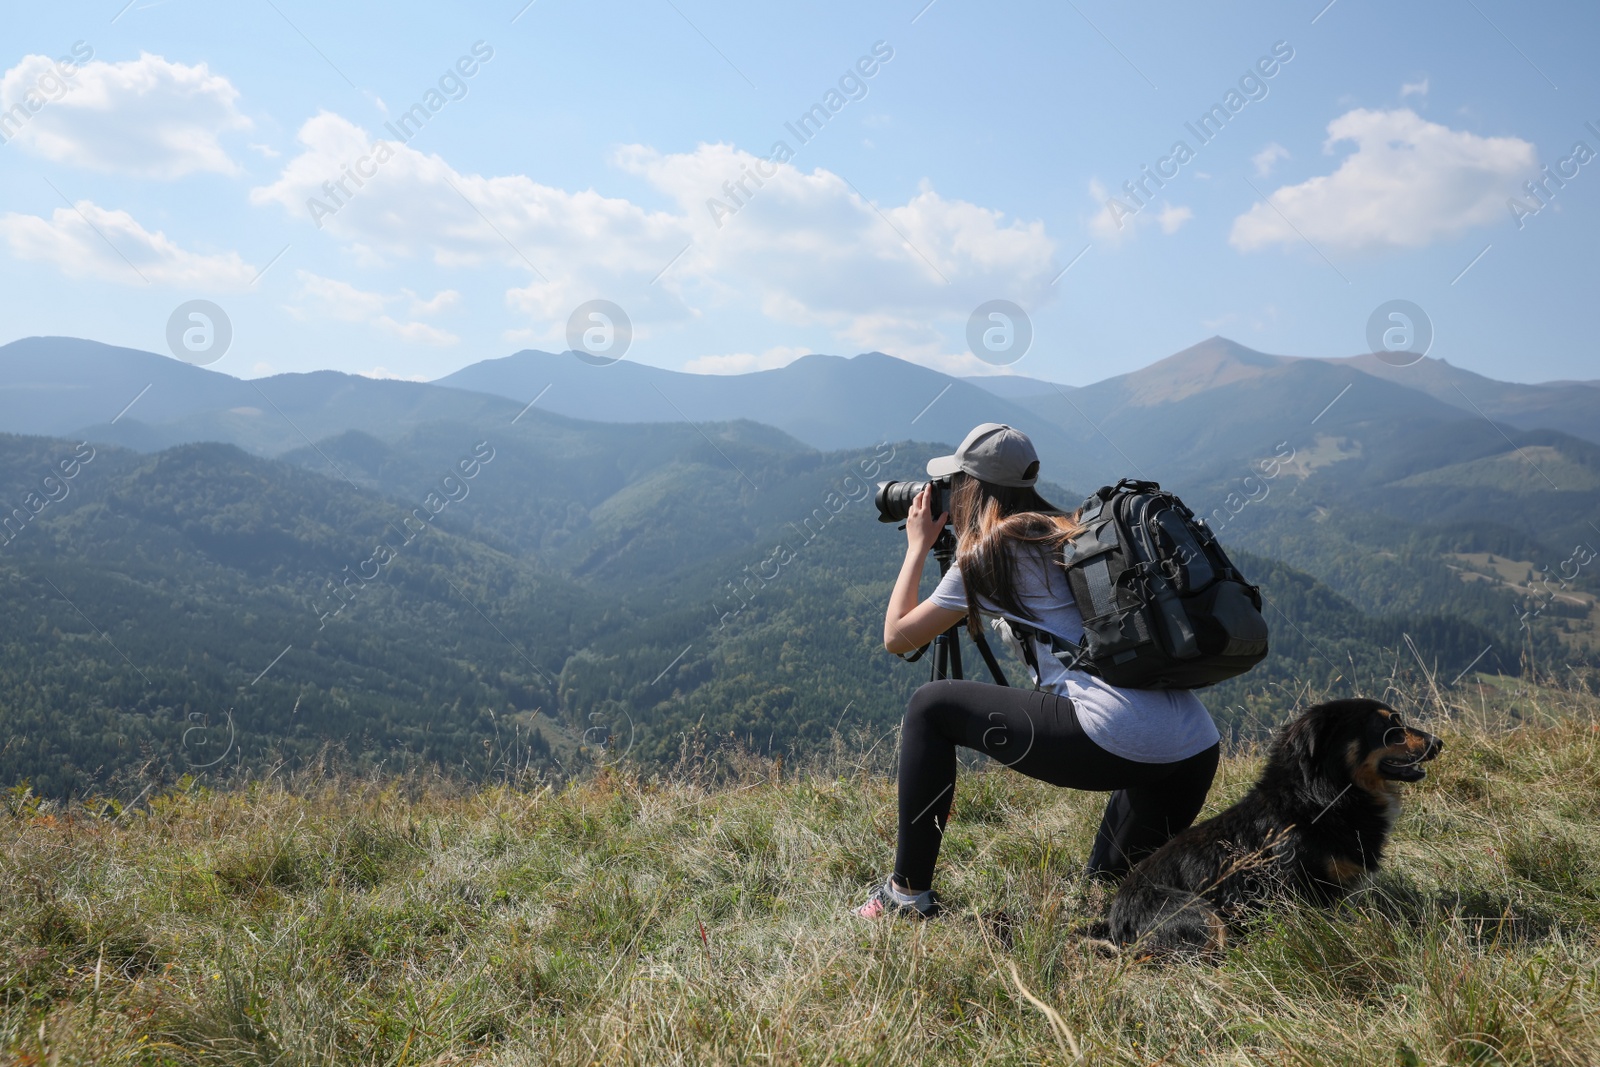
1313, 826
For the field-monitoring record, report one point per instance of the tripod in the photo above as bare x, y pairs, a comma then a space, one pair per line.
947, 646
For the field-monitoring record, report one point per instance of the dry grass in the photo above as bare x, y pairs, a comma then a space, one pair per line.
703, 918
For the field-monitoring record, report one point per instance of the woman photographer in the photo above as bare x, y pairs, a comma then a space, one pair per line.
1154, 750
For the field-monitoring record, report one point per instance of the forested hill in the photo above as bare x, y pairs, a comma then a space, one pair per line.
525, 588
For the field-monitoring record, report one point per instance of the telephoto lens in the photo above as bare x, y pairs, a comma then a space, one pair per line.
894, 499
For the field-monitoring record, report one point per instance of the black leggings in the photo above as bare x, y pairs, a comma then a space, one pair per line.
1038, 734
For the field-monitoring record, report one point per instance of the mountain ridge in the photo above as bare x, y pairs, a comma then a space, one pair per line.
64, 386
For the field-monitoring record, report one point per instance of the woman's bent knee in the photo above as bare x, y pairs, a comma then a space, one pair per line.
932, 703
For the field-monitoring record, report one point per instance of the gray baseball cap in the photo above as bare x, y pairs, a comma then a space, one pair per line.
993, 453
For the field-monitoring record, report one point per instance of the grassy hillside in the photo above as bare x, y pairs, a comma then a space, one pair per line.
699, 916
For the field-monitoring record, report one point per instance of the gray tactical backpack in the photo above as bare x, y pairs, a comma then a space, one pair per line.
1162, 605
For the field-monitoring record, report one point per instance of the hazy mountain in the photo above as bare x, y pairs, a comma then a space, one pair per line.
829, 402
1213, 404
1215, 407
1195, 421
58, 385
1013, 386
1213, 362
1516, 470
1572, 407
69, 387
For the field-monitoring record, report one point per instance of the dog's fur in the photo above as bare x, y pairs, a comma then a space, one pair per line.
1314, 825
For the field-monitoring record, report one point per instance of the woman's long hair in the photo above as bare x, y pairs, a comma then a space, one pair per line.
992, 524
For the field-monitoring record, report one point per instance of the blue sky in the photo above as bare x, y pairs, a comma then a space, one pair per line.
177, 154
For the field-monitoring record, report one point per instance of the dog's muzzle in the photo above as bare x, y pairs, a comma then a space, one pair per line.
1420, 748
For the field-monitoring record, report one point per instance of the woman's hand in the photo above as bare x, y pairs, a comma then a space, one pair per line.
906, 623
922, 529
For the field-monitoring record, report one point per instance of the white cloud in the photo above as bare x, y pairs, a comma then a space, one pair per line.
1104, 226
1268, 158
583, 244
88, 241
339, 300
335, 299
440, 301
1171, 218
1117, 221
1414, 88
804, 248
385, 372
745, 362
419, 333
813, 252
1409, 183
146, 117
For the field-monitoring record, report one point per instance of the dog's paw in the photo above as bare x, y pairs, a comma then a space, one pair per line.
1095, 935
1091, 929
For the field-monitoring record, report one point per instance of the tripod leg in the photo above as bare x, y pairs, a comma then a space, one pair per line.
947, 654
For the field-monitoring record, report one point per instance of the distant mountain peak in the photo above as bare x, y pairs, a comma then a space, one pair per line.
1219, 347
811, 358
1214, 362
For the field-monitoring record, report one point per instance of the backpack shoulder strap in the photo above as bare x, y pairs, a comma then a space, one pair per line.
989, 661
1025, 636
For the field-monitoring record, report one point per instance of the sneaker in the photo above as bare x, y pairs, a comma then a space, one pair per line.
887, 900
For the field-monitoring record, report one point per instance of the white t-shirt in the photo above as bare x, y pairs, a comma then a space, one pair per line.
1147, 725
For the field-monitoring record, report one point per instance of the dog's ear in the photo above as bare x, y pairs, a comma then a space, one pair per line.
1297, 739
1308, 741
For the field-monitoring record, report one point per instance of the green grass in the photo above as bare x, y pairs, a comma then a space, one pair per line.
702, 917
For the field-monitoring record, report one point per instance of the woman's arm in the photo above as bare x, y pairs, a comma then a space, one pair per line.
908, 625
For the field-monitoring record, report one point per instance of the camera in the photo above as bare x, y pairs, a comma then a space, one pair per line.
893, 499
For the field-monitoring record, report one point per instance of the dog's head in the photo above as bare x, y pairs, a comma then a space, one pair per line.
1363, 744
